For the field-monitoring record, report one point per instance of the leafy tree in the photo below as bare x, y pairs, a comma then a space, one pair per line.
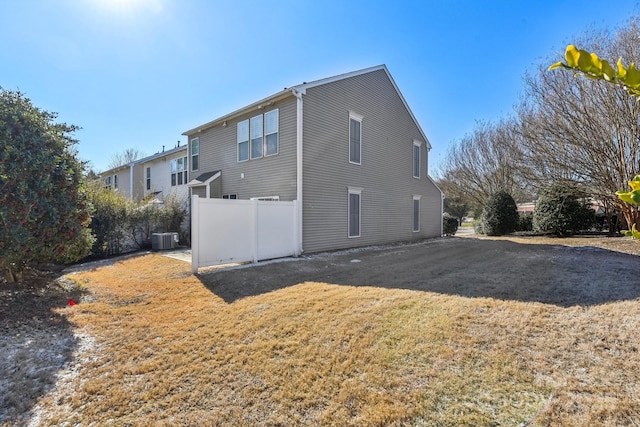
563, 210
500, 215
43, 206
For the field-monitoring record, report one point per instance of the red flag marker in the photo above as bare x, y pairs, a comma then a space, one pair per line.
71, 302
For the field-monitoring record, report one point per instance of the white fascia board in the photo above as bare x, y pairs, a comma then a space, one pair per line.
255, 106
162, 154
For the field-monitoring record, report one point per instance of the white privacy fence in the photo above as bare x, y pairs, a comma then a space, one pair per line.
224, 231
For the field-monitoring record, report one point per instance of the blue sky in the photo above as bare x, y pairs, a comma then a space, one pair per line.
138, 73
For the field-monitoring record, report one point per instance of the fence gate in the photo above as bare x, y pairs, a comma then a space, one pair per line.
224, 231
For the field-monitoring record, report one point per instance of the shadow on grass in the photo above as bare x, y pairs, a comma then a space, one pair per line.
549, 274
35, 343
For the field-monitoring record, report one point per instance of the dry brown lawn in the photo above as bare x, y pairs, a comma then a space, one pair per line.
160, 348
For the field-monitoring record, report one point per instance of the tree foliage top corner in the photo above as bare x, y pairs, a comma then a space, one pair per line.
592, 66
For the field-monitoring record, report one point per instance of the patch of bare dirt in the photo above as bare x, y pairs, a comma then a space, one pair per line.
35, 341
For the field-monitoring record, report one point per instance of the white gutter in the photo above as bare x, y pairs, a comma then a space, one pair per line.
298, 95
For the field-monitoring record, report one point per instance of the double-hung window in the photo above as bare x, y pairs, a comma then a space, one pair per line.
115, 181
354, 211
243, 140
148, 177
256, 131
355, 138
416, 159
271, 133
179, 171
195, 153
258, 136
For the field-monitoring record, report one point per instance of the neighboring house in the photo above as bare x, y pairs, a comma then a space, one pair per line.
526, 208
159, 175
348, 147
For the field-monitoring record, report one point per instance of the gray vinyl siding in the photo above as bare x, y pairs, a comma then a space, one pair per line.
267, 176
385, 174
200, 191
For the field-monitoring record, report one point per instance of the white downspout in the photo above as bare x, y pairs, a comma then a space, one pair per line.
131, 195
299, 134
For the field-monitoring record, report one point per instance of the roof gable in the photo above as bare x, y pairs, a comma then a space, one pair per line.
301, 88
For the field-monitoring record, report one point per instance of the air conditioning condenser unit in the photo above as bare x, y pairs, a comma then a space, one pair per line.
162, 241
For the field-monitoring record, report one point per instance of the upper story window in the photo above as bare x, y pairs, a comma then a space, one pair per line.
271, 133
195, 154
243, 140
256, 129
148, 177
258, 136
179, 171
416, 159
355, 138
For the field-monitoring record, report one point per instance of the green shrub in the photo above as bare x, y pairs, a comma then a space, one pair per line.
477, 226
120, 224
500, 215
562, 210
109, 219
525, 222
449, 225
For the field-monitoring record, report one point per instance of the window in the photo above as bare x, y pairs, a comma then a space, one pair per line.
107, 182
232, 196
195, 154
271, 133
355, 138
258, 136
243, 140
179, 171
354, 211
255, 129
115, 181
416, 159
416, 213
148, 178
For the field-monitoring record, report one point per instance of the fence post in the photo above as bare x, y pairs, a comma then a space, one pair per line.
255, 230
195, 234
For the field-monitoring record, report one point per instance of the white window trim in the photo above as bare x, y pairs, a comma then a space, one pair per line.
418, 144
357, 117
415, 197
230, 196
350, 191
191, 153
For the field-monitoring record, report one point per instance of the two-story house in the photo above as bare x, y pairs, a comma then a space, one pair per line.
160, 175
347, 147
